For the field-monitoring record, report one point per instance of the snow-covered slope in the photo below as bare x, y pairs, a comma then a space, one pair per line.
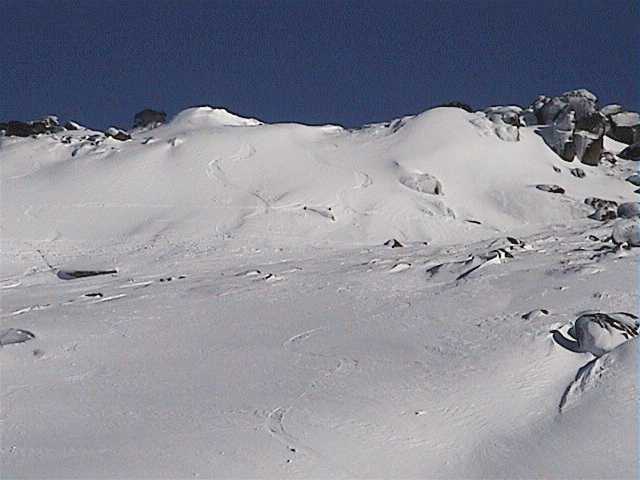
256, 327
209, 175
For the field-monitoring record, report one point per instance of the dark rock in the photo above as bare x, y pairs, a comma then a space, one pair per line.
15, 128
73, 274
149, 118
634, 179
455, 104
393, 243
578, 172
561, 140
625, 127
550, 188
117, 134
629, 210
596, 202
588, 137
582, 102
632, 152
72, 126
604, 214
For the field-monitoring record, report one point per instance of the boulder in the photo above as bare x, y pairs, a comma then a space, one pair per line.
561, 139
626, 232
149, 118
117, 134
604, 214
632, 152
611, 109
597, 203
629, 210
582, 102
588, 138
550, 110
634, 179
625, 127
578, 172
550, 188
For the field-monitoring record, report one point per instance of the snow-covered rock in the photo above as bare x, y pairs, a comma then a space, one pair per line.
599, 333
626, 232
625, 127
117, 134
207, 116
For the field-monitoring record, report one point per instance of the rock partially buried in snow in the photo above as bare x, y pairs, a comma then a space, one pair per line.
632, 152
626, 232
599, 333
393, 243
611, 109
629, 210
634, 179
604, 214
550, 188
423, 183
578, 172
15, 335
596, 202
117, 134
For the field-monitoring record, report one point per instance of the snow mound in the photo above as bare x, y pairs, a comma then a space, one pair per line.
211, 117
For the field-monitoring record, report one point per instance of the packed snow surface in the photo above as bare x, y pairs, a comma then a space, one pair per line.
213, 298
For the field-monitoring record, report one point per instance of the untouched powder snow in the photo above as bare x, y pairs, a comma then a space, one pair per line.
213, 298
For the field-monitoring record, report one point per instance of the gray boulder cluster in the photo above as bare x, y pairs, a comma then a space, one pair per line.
146, 118
576, 126
14, 128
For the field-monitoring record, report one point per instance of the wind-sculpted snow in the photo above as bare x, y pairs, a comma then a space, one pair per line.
222, 298
203, 177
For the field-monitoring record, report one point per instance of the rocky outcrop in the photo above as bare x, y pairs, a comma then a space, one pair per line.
576, 128
16, 128
588, 137
149, 118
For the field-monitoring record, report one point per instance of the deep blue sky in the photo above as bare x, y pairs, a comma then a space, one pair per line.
311, 61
